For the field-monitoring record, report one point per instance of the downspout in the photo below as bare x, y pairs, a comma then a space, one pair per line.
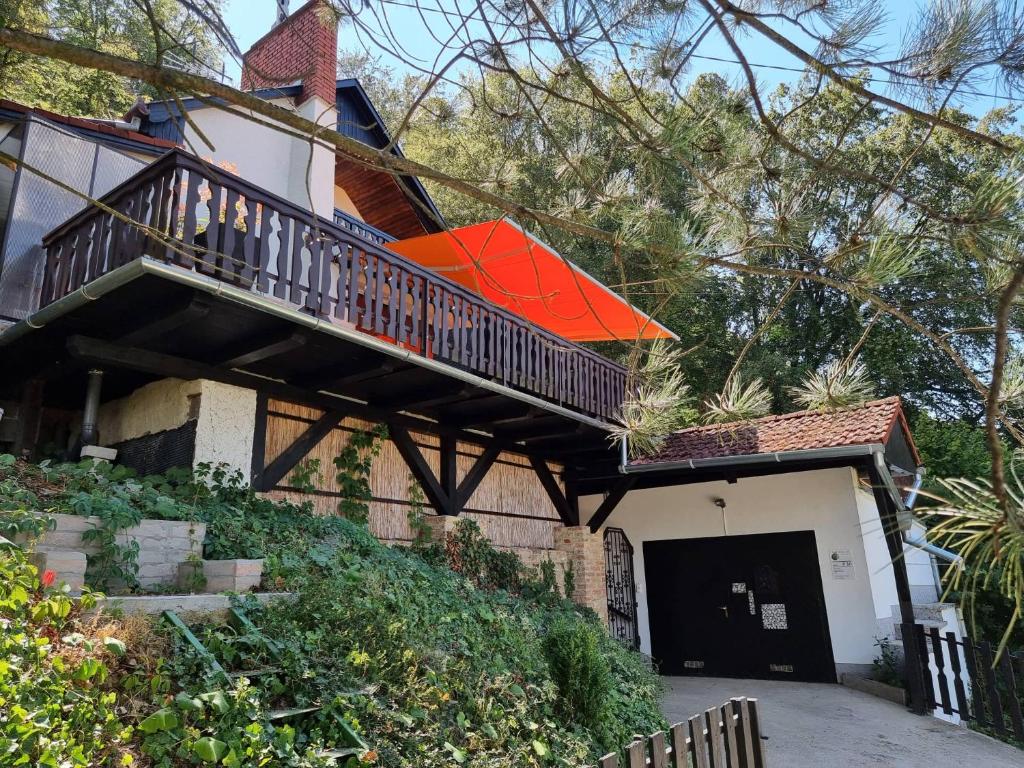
923, 544
90, 413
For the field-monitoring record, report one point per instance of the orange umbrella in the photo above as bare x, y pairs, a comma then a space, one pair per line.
509, 267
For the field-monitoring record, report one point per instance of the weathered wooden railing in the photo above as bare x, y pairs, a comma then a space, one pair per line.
203, 219
364, 230
963, 678
728, 736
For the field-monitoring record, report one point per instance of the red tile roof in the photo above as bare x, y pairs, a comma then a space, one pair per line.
867, 424
89, 123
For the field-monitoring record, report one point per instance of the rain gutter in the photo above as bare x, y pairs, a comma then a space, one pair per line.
146, 266
779, 457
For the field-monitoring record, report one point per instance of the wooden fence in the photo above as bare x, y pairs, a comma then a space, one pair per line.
728, 736
969, 682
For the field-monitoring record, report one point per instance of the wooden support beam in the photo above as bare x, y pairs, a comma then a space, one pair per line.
342, 375
196, 309
84, 348
592, 443
421, 471
536, 426
304, 443
567, 432
611, 501
476, 474
449, 472
554, 491
486, 410
259, 437
30, 412
415, 398
261, 348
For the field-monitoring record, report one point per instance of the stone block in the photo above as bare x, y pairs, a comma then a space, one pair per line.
183, 605
440, 526
221, 575
69, 566
98, 453
162, 544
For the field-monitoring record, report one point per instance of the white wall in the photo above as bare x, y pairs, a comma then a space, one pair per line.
822, 500
880, 569
225, 418
227, 423
270, 159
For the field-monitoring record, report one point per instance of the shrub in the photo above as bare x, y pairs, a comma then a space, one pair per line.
56, 704
579, 669
470, 553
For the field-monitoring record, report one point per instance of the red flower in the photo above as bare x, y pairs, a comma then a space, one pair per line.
48, 578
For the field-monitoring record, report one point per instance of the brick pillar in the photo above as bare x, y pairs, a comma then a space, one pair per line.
586, 553
439, 526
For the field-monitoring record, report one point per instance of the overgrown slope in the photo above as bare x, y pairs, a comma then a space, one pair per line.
488, 666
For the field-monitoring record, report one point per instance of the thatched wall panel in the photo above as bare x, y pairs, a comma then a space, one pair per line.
510, 505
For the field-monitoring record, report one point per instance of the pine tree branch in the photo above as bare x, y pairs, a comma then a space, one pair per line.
754, 22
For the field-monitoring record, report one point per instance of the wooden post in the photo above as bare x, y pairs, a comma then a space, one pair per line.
448, 475
888, 515
30, 412
259, 437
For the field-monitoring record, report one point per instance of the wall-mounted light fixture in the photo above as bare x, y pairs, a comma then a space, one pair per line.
719, 502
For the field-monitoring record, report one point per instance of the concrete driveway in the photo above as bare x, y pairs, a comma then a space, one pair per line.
810, 725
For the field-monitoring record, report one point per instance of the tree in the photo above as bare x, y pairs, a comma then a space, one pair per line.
118, 27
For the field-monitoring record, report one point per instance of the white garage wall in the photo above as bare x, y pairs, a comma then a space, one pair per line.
822, 500
883, 583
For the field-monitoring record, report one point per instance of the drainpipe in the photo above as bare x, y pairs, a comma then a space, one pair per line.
90, 413
923, 544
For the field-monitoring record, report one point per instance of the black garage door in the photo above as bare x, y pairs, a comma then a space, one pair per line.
739, 606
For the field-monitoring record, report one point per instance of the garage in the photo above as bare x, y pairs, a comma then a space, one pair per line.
748, 606
780, 548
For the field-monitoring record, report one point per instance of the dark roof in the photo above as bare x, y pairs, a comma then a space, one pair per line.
102, 130
869, 424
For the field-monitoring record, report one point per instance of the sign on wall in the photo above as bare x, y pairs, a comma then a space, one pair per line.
842, 565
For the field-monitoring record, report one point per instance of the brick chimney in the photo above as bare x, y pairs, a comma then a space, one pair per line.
302, 46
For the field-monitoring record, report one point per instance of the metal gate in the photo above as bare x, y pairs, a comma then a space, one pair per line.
621, 587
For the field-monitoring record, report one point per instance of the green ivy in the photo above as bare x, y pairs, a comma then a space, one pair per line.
421, 532
354, 464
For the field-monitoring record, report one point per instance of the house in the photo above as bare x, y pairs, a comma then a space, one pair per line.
241, 296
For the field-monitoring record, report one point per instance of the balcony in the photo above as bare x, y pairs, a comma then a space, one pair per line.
183, 212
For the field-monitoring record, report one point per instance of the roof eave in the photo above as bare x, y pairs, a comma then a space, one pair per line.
780, 457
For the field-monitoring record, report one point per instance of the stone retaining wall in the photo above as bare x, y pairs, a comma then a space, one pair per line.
162, 544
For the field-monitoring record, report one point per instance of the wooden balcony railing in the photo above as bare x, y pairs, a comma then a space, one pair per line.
203, 219
361, 228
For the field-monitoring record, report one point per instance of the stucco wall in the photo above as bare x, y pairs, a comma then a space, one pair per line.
268, 158
155, 407
823, 501
227, 421
880, 568
225, 415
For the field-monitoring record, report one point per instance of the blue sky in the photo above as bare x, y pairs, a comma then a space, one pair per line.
248, 20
